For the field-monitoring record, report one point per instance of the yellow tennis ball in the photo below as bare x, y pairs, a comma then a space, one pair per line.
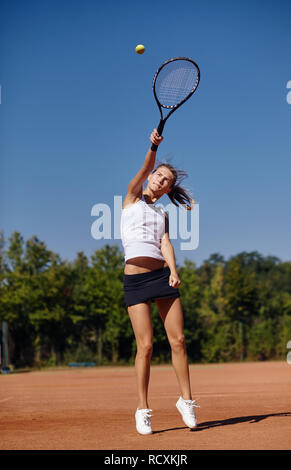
140, 49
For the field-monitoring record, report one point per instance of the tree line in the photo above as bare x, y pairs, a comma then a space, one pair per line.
60, 312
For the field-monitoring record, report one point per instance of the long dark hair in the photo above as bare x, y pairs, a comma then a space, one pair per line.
178, 194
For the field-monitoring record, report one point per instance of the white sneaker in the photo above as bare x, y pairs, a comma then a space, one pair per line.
143, 421
186, 408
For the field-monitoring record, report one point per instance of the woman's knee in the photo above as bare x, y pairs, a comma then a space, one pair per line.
145, 349
178, 343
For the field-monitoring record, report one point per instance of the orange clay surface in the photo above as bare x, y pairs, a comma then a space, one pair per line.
242, 406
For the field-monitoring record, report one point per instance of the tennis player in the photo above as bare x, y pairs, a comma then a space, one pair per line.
150, 274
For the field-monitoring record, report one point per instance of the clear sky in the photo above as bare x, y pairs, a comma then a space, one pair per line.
77, 110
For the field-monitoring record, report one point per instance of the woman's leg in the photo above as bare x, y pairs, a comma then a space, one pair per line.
172, 315
140, 316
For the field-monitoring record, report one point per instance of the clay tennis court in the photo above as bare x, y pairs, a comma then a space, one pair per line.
242, 406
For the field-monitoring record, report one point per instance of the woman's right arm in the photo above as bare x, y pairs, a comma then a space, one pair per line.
135, 185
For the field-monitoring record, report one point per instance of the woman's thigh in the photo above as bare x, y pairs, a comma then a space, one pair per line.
141, 320
171, 313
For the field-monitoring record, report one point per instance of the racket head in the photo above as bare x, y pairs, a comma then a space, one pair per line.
175, 81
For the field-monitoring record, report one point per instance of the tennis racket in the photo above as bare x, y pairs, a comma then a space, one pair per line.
174, 82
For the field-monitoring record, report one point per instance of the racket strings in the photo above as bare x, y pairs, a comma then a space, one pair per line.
175, 82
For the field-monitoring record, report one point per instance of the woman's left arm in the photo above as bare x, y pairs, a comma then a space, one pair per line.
169, 255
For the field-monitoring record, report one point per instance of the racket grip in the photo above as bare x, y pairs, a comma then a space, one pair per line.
160, 129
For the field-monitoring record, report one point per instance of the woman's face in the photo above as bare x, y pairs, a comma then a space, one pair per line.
161, 181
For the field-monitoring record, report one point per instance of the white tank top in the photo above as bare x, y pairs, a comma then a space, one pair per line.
142, 228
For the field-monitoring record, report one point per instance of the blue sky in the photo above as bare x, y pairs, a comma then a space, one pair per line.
77, 109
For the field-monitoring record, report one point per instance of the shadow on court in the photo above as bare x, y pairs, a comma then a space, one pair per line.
227, 422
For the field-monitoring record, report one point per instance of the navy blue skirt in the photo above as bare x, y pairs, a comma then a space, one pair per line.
151, 285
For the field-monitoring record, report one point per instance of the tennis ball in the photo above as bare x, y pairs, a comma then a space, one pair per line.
140, 49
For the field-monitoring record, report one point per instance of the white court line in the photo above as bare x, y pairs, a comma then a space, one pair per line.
6, 399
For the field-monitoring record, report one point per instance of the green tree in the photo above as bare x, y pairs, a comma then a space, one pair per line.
190, 299
99, 301
52, 313
16, 298
219, 332
241, 298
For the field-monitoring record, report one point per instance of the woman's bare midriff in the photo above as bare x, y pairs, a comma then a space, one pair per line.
143, 264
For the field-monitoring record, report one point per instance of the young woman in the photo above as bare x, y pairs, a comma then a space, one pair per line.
150, 274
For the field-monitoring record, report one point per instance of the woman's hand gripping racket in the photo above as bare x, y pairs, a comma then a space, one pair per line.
174, 82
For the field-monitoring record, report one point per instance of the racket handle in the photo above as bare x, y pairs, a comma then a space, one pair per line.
160, 128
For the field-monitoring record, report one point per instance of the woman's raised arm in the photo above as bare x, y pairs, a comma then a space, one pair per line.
135, 185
